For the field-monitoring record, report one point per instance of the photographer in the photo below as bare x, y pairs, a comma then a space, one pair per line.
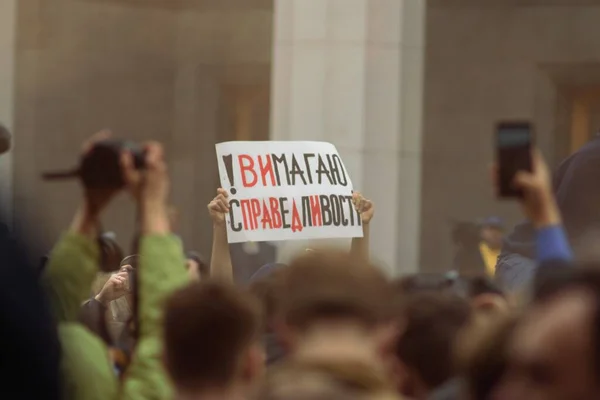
86, 366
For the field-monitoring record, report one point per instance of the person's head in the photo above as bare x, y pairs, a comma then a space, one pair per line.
327, 289
555, 350
265, 288
110, 252
482, 356
483, 294
197, 266
212, 338
425, 349
492, 232
302, 380
487, 299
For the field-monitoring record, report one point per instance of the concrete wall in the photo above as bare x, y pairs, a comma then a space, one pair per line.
165, 70
350, 72
487, 61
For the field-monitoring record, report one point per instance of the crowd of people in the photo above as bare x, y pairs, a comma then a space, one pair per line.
163, 323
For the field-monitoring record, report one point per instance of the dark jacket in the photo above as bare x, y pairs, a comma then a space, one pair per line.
30, 352
577, 190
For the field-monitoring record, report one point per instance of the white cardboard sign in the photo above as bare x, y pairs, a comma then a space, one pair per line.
286, 191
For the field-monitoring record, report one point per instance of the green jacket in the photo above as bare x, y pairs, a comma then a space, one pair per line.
87, 370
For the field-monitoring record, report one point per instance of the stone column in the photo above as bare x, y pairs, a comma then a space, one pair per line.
350, 72
8, 28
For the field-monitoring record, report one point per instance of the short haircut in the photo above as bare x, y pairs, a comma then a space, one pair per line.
483, 356
207, 328
266, 290
329, 285
203, 265
432, 324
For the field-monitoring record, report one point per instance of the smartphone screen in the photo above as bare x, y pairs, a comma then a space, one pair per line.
513, 146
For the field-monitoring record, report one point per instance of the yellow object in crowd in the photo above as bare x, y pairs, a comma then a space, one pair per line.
490, 257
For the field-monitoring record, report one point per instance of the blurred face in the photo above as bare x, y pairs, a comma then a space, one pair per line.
492, 236
193, 269
550, 357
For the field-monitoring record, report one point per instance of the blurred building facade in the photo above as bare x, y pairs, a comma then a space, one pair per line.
408, 91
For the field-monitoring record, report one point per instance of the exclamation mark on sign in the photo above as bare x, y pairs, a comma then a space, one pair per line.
228, 161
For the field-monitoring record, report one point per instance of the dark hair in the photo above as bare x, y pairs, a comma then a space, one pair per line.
207, 327
110, 253
483, 359
333, 285
266, 290
561, 279
433, 321
203, 265
429, 282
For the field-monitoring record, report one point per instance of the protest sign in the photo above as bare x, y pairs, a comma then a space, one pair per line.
286, 191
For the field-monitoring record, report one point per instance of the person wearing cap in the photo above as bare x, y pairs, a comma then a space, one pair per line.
492, 235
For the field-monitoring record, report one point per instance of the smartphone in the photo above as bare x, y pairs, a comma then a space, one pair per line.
514, 143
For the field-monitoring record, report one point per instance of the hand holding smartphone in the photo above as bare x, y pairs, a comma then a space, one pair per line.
514, 144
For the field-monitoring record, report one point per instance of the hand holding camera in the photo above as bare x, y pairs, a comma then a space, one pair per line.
114, 288
101, 169
150, 187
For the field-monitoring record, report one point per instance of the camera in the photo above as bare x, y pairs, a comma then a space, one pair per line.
100, 168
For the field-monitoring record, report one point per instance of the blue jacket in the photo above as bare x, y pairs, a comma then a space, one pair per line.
578, 196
